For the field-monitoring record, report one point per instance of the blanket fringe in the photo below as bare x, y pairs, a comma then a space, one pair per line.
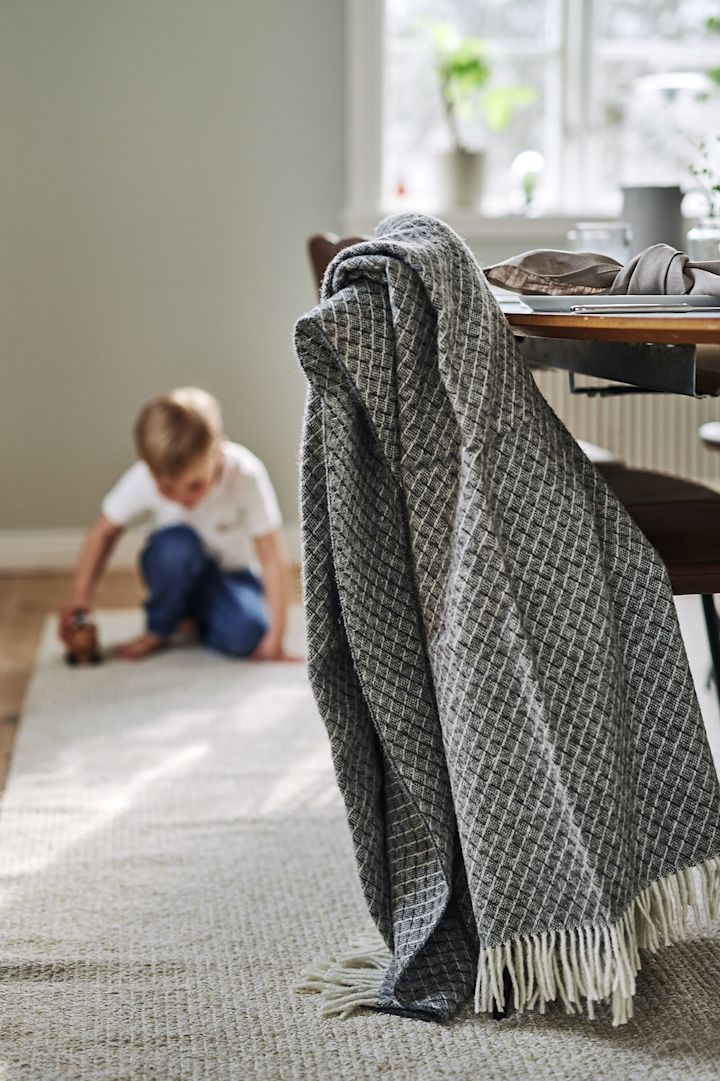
596, 962
351, 979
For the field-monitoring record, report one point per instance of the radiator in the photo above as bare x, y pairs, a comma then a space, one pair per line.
649, 431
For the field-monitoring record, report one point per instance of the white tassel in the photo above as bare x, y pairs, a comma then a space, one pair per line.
530, 992
600, 963
595, 963
349, 980
520, 970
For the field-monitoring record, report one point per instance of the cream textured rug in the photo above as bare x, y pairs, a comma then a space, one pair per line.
173, 856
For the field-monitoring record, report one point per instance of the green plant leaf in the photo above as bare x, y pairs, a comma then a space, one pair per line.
444, 36
461, 63
501, 103
463, 71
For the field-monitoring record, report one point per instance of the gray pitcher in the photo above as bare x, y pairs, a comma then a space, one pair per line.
654, 214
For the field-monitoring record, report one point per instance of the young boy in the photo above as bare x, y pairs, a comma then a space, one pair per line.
212, 503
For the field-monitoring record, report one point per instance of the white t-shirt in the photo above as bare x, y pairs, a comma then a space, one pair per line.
240, 505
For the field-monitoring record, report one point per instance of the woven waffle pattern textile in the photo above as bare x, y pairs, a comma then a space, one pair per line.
494, 651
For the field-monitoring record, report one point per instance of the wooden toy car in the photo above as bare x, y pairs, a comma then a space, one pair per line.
82, 641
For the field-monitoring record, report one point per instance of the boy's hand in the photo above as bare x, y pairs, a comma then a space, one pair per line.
66, 617
99, 542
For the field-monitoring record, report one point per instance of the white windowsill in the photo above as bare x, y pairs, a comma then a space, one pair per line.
475, 225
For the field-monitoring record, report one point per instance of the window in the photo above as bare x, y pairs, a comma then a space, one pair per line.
622, 94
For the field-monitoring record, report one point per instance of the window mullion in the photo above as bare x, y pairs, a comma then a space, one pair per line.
554, 106
577, 60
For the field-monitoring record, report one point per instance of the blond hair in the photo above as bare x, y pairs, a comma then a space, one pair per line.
175, 429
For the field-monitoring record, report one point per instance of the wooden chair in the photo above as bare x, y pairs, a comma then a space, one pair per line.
322, 249
679, 517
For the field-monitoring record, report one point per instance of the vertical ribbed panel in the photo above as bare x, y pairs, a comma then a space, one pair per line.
650, 431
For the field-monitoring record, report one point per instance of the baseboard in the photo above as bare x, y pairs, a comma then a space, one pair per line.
57, 549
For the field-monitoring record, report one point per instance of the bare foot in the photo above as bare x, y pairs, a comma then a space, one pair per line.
142, 646
276, 654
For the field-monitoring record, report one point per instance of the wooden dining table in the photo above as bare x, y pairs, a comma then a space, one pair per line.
678, 354
674, 353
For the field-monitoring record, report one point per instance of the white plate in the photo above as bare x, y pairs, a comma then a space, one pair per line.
600, 302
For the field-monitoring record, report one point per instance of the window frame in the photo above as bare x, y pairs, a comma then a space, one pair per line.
577, 128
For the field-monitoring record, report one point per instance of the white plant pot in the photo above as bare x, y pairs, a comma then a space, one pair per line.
460, 174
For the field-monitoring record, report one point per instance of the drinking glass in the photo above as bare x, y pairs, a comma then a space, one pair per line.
604, 237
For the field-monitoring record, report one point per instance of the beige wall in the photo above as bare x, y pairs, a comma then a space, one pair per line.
163, 162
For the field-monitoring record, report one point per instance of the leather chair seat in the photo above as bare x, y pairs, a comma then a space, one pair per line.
680, 518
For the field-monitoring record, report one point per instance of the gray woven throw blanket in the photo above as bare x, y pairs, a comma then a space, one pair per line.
659, 269
494, 650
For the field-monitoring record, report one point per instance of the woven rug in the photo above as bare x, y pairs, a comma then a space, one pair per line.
173, 855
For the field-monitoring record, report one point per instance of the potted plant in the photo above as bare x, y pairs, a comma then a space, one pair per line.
703, 240
464, 73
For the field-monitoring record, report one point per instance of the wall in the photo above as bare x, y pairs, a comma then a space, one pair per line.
163, 163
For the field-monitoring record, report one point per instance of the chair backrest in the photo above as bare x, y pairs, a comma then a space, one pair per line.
323, 247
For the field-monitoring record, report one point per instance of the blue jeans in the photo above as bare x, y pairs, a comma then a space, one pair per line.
184, 581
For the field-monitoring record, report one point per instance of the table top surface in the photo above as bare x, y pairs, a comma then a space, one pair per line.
684, 329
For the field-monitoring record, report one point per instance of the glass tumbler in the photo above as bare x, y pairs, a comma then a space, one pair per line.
603, 237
